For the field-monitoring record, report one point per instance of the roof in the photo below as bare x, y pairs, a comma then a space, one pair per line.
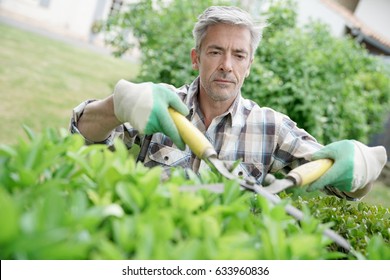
359, 28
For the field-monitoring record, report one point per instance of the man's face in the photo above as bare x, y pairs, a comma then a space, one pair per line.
224, 61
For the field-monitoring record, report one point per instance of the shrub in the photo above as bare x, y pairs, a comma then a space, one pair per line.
60, 199
164, 36
358, 222
331, 87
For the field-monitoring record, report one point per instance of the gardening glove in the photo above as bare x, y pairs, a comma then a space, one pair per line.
145, 107
355, 165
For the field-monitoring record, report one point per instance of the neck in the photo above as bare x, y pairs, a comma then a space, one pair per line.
211, 108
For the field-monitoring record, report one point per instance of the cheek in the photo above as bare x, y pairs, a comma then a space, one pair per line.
205, 70
244, 72
241, 75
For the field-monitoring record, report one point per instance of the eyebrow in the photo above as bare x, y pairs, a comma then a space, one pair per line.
222, 49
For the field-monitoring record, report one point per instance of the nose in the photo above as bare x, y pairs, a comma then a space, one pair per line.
226, 63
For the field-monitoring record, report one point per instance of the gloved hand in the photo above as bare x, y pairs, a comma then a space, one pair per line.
355, 165
145, 107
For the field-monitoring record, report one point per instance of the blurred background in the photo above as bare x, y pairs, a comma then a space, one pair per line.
325, 63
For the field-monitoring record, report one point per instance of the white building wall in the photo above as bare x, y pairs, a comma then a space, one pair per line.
373, 13
315, 10
377, 14
71, 17
74, 18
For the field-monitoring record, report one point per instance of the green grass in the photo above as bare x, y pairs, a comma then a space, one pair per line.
43, 79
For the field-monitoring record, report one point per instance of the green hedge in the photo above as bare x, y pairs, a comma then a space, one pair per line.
60, 199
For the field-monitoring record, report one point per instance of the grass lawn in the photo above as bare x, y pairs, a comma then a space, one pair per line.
43, 79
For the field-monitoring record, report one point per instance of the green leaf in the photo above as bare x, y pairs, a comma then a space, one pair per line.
9, 217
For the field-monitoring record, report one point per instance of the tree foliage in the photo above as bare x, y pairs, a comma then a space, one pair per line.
164, 35
330, 86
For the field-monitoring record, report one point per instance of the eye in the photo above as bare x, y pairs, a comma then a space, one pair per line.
240, 56
214, 53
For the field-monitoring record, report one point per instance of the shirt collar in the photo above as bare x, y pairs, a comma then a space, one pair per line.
192, 100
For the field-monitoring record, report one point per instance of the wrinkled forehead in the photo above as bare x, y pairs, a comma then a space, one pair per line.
226, 36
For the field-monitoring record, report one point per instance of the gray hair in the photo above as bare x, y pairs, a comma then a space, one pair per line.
227, 15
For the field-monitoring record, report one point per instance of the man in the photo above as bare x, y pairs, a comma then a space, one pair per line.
265, 141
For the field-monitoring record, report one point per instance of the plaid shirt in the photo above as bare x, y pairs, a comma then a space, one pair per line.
263, 140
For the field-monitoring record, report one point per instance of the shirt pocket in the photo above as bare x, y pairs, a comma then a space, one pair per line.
248, 169
167, 156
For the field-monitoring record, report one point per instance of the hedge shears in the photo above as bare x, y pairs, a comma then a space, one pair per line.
303, 175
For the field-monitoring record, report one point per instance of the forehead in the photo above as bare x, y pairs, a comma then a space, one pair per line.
227, 36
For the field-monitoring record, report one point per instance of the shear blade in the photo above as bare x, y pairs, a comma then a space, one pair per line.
279, 185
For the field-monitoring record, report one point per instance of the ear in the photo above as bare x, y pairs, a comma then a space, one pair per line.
194, 59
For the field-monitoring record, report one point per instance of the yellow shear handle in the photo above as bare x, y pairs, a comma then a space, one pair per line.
202, 148
192, 136
311, 171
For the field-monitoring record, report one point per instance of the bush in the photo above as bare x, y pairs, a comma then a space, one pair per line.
358, 222
331, 87
164, 36
60, 199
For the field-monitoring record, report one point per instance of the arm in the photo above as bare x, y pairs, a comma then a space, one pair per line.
356, 166
144, 106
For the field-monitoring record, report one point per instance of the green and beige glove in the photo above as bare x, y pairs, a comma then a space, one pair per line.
355, 165
145, 107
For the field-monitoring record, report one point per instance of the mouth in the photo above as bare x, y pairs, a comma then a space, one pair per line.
223, 81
